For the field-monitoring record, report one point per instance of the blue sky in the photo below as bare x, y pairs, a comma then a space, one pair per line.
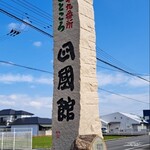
122, 32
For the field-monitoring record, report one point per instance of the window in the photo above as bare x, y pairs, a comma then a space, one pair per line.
1, 120
147, 118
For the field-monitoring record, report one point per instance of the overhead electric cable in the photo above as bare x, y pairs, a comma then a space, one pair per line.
108, 68
118, 70
36, 11
40, 10
34, 27
108, 57
122, 96
45, 71
105, 62
26, 67
22, 14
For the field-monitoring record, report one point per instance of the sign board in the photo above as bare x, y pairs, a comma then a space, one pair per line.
98, 144
75, 98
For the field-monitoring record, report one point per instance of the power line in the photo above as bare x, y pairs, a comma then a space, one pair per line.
26, 67
34, 27
122, 96
108, 68
105, 55
3, 11
105, 62
30, 18
11, 15
118, 70
33, 7
4, 4
111, 59
45, 71
37, 12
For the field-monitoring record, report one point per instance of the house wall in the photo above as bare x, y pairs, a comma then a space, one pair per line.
47, 132
146, 115
140, 127
35, 128
121, 123
114, 127
7, 118
11, 118
23, 116
104, 125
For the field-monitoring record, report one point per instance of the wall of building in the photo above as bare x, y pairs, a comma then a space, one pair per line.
11, 118
146, 115
47, 132
35, 128
6, 118
121, 123
23, 116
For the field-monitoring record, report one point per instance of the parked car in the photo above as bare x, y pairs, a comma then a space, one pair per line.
104, 130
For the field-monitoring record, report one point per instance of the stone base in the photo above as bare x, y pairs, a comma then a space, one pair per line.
88, 142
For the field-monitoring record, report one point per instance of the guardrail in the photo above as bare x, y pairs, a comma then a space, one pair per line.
16, 140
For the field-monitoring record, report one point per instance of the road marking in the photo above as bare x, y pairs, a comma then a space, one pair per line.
133, 144
137, 147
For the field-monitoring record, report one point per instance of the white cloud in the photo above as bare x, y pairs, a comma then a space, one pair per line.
39, 105
110, 103
109, 79
19, 26
11, 78
44, 80
37, 43
136, 82
42, 106
105, 79
7, 103
24, 26
124, 85
112, 98
13, 26
35, 104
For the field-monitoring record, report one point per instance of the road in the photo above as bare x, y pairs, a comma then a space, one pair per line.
131, 143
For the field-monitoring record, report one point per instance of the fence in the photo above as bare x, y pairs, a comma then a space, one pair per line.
19, 139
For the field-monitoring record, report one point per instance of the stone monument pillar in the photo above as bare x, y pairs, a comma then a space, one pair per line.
75, 98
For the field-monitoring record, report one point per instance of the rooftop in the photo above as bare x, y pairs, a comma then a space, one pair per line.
32, 120
14, 112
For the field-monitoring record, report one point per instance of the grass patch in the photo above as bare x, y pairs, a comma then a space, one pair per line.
42, 142
111, 137
46, 141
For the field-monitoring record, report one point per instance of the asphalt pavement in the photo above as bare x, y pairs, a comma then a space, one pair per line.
130, 143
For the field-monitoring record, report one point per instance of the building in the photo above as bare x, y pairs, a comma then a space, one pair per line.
18, 119
146, 116
39, 126
119, 122
7, 116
